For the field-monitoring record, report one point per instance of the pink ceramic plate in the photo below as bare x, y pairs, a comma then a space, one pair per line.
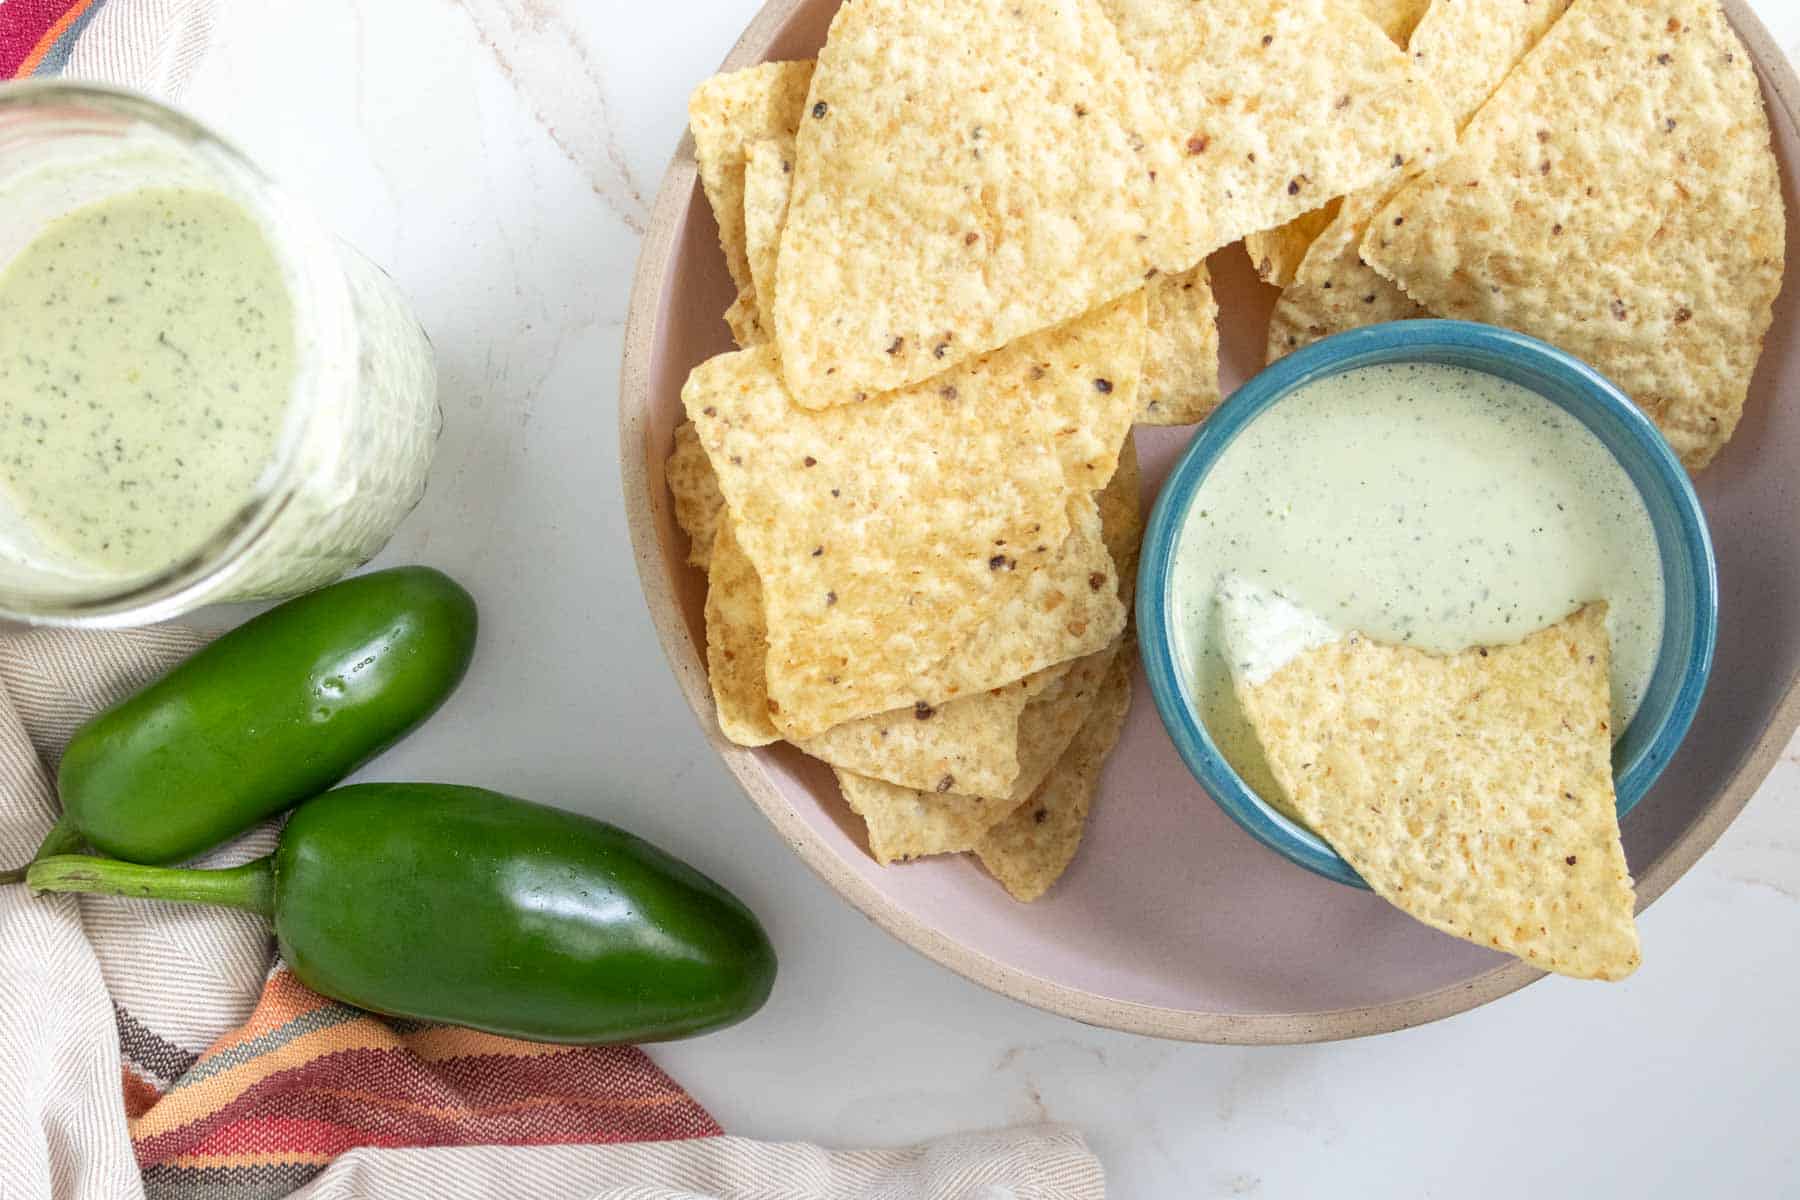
1171, 921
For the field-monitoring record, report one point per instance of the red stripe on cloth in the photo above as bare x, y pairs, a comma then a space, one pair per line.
28, 28
388, 1097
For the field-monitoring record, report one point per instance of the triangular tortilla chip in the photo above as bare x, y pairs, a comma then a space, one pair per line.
1465, 50
908, 823
1276, 253
968, 172
1281, 105
696, 492
1181, 353
737, 644
768, 182
1030, 850
1619, 198
885, 533
1473, 791
726, 114
974, 739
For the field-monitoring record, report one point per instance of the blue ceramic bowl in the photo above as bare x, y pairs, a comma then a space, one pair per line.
1691, 601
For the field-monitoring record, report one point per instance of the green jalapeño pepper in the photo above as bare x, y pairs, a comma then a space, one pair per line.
461, 905
277, 710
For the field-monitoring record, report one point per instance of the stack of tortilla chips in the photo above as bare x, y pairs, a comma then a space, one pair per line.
969, 248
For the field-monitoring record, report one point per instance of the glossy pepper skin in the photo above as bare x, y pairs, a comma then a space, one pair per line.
277, 710
466, 906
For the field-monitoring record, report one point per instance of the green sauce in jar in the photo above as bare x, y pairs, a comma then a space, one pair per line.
147, 357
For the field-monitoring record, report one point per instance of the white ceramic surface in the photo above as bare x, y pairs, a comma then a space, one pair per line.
497, 157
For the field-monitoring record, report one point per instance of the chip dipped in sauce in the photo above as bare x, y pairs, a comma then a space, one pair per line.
1424, 505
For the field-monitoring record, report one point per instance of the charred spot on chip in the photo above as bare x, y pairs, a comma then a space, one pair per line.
1556, 229
1668, 124
969, 239
819, 110
1399, 160
1399, 220
896, 346
1103, 386
941, 349
710, 411
817, 551
1081, 110
1097, 580
1294, 186
1664, 59
1198, 144
944, 784
1618, 309
1040, 816
923, 711
810, 461
949, 392
1343, 102
1570, 860
1268, 39
830, 599
1683, 315
1000, 563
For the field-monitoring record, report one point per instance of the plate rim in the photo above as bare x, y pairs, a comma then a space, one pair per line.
635, 458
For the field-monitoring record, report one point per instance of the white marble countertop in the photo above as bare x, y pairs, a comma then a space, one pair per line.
499, 157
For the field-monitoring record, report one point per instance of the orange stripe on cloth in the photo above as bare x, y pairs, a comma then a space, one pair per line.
52, 36
249, 1159
305, 1079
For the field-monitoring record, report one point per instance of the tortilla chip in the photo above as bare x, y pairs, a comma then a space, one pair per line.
908, 823
885, 533
969, 172
1030, 849
1398, 18
1617, 197
1276, 253
1465, 50
1122, 522
1181, 353
768, 180
1281, 104
1474, 791
695, 488
1334, 289
726, 113
972, 742
745, 320
737, 644
974, 739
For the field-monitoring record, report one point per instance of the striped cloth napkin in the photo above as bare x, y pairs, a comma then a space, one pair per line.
163, 1051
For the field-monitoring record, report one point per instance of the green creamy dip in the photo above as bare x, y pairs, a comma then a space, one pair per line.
146, 361
1418, 504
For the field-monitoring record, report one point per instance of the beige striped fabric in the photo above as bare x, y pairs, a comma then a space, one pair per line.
150, 45
1037, 1163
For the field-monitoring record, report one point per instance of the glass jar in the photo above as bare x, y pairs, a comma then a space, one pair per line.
359, 424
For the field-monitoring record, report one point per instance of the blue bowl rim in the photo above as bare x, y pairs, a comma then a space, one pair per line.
1400, 341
